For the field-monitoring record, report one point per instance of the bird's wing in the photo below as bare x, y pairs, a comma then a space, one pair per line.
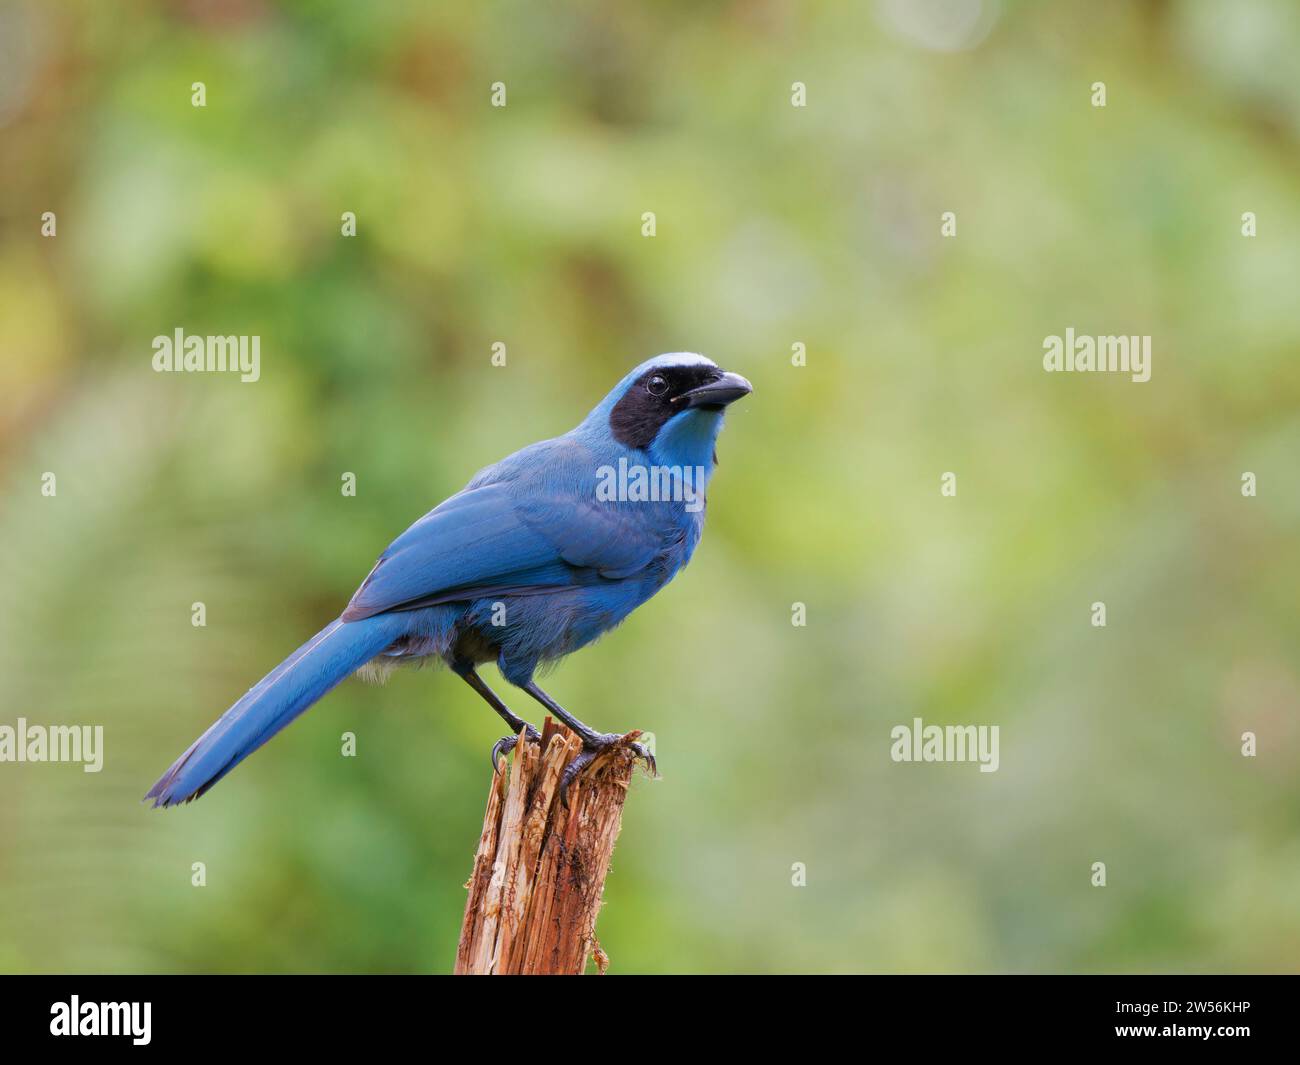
614, 540
518, 536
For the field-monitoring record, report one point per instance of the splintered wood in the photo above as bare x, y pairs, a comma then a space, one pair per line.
539, 873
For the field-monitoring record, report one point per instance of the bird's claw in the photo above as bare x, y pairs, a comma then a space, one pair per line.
647, 756
506, 744
592, 749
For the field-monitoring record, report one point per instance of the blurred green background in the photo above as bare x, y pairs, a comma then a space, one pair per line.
776, 225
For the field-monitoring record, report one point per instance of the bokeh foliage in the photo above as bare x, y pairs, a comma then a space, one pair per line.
775, 225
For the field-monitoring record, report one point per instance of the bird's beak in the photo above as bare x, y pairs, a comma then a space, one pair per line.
723, 389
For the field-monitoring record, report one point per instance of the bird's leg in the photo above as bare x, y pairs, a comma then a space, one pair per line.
505, 744
593, 742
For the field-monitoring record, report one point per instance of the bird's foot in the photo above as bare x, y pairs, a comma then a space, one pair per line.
596, 744
506, 744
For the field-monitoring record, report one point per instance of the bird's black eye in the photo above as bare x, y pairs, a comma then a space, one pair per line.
657, 385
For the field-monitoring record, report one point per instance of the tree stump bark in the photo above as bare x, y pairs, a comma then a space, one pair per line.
539, 873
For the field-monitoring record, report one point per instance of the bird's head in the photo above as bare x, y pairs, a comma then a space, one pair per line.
670, 406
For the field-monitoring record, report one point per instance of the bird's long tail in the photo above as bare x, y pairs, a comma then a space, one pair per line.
317, 666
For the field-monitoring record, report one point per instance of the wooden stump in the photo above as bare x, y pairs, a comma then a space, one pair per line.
539, 873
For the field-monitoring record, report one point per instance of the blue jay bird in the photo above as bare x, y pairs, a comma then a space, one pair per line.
529, 562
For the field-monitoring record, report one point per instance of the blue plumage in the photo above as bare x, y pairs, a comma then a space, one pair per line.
531, 561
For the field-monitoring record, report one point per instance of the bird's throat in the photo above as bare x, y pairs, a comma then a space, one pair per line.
688, 439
